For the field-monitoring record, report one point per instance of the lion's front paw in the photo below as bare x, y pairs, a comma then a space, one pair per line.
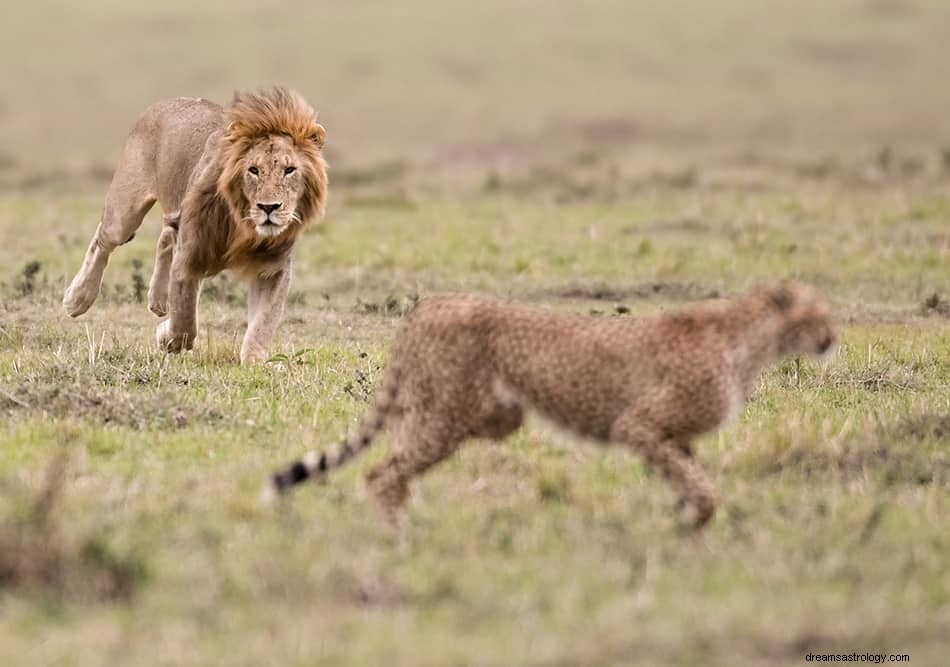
172, 341
80, 295
158, 303
695, 513
253, 354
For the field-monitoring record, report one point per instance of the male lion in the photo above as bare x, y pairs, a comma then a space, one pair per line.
466, 368
237, 187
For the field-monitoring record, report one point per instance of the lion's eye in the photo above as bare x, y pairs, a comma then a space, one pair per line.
289, 170
253, 170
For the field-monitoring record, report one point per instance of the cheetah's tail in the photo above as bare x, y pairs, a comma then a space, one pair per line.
315, 464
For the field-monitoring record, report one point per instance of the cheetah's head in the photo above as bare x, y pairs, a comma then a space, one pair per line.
805, 325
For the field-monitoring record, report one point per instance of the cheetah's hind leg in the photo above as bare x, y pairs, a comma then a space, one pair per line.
420, 442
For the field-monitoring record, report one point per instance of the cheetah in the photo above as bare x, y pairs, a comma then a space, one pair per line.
465, 367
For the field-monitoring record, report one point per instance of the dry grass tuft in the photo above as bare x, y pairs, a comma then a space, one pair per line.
935, 305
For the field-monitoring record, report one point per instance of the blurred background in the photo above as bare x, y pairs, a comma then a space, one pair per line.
448, 88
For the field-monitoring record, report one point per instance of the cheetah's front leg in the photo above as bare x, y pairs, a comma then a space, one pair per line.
673, 458
697, 501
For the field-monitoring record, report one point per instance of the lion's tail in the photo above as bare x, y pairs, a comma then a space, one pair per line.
316, 464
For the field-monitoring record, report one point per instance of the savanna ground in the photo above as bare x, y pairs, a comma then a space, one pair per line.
617, 161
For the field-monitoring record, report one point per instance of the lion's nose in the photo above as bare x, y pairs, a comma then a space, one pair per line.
824, 344
269, 208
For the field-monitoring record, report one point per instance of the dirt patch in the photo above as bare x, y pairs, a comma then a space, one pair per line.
374, 592
672, 226
752, 650
887, 451
36, 558
895, 465
860, 313
925, 427
935, 305
390, 306
108, 407
660, 290
877, 377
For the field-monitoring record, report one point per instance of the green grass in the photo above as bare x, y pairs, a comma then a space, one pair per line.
614, 157
834, 483
871, 249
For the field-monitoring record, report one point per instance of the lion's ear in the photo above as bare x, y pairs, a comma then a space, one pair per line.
319, 136
781, 297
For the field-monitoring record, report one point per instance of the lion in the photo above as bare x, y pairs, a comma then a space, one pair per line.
465, 367
237, 187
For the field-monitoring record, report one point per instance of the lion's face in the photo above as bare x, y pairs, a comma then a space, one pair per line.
273, 182
273, 176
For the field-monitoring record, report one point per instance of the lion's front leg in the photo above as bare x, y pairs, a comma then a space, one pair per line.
265, 307
161, 274
179, 331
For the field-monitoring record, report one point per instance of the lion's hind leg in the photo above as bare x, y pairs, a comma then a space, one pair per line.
129, 198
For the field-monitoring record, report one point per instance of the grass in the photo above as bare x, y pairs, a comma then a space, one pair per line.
833, 483
615, 158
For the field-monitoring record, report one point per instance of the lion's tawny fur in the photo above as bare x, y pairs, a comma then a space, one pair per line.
465, 367
237, 186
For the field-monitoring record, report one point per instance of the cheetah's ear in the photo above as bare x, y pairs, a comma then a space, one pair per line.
781, 297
